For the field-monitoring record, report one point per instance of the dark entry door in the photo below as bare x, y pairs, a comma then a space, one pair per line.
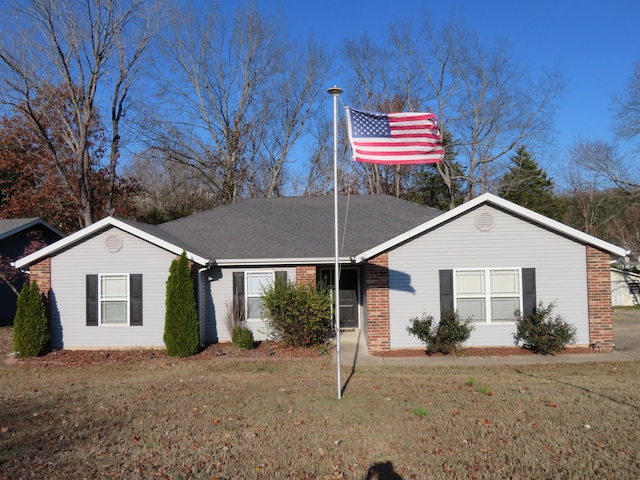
348, 295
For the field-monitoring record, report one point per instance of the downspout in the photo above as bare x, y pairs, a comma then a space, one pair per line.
202, 306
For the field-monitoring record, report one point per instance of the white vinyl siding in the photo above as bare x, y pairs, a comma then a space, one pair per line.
68, 283
560, 263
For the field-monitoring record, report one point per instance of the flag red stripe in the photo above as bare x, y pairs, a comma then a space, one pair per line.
399, 144
395, 153
396, 117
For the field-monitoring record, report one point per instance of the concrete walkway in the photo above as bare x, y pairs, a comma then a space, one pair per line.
353, 353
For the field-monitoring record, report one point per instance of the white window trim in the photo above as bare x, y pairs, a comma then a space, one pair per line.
487, 293
248, 295
127, 299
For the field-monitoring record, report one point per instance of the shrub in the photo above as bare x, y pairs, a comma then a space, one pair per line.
297, 315
233, 317
445, 337
30, 326
242, 338
181, 330
543, 332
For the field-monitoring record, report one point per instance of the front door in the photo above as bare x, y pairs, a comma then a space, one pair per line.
348, 295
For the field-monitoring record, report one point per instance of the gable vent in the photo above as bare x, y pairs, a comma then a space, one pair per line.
484, 222
113, 244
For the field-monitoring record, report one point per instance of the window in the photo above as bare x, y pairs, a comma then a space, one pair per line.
488, 295
114, 299
255, 282
247, 292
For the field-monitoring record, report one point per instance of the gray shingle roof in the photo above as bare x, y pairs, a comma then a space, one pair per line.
158, 232
9, 226
296, 227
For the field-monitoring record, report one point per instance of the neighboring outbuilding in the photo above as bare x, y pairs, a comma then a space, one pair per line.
486, 259
625, 287
15, 235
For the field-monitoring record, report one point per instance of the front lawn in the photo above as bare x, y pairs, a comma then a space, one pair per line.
230, 418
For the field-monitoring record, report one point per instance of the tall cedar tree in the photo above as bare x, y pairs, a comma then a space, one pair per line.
30, 326
529, 186
181, 332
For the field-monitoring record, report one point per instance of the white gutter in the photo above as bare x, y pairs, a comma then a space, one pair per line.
258, 262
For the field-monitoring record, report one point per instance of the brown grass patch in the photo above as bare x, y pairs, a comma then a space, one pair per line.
272, 417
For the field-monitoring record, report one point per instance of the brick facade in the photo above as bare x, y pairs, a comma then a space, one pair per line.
41, 274
305, 275
378, 314
599, 300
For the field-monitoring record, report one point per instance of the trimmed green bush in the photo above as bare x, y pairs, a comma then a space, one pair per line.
181, 329
242, 338
30, 326
445, 337
297, 315
543, 332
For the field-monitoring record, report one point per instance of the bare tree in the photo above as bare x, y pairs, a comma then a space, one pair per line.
604, 161
240, 96
168, 190
92, 50
628, 107
593, 199
481, 96
375, 85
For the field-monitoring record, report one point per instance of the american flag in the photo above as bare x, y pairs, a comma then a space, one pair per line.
394, 138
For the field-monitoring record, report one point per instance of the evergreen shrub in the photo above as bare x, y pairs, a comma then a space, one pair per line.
30, 326
181, 329
242, 338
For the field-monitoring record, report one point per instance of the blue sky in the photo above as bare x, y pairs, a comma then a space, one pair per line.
595, 44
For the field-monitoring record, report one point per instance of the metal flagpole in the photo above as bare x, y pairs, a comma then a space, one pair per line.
335, 91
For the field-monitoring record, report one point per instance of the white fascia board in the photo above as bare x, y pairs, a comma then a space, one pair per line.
261, 262
96, 227
491, 199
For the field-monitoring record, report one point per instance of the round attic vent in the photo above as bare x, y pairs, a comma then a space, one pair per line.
484, 222
113, 243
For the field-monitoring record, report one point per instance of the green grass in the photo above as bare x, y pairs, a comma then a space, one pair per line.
262, 419
420, 412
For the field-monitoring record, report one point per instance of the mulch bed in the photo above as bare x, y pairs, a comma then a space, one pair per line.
220, 351
226, 351
479, 352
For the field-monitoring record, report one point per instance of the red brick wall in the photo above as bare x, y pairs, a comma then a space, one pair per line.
41, 274
305, 275
599, 300
377, 285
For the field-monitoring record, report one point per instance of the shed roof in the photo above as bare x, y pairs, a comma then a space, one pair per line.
11, 226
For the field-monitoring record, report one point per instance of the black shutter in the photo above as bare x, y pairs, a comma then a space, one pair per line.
528, 291
446, 291
135, 299
92, 300
238, 296
281, 276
